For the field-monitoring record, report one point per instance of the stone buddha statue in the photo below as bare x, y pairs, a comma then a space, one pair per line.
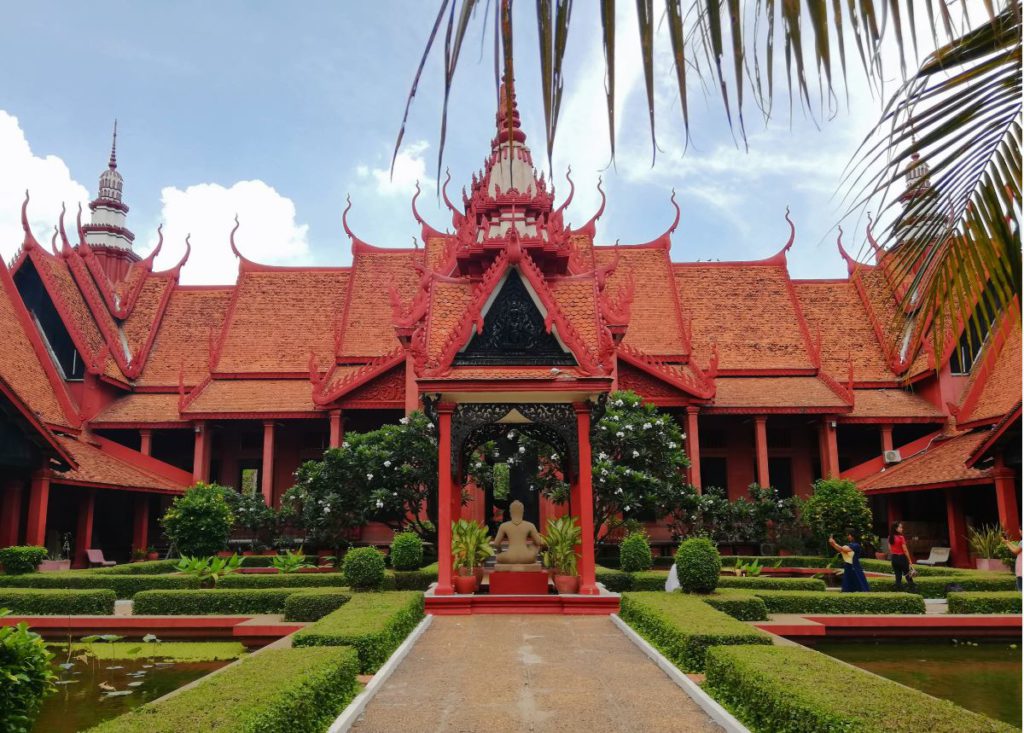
519, 534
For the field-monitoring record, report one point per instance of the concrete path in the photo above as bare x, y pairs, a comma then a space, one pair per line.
505, 674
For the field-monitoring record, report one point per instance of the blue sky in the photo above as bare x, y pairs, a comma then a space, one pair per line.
277, 111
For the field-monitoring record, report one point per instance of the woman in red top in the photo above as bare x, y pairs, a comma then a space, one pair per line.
901, 558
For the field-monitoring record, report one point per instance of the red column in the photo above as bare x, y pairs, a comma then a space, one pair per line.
693, 446
337, 432
146, 442
588, 584
38, 500
140, 523
83, 532
267, 472
1006, 500
886, 433
958, 552
893, 511
10, 518
412, 395
829, 448
201, 453
761, 450
444, 500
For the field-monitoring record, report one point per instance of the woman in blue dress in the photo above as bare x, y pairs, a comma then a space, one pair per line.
853, 574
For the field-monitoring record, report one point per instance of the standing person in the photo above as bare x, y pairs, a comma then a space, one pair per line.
902, 561
853, 574
1014, 547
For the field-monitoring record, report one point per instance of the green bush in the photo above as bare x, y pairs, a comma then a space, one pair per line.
938, 586
26, 673
786, 601
149, 567
698, 565
788, 561
411, 579
406, 551
19, 560
125, 586
649, 580
274, 691
615, 581
267, 561
683, 627
884, 566
797, 690
836, 506
213, 601
313, 605
363, 569
200, 520
282, 580
738, 604
374, 623
57, 602
635, 553
764, 582
993, 602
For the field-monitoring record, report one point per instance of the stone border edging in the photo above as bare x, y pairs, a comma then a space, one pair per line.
714, 710
355, 708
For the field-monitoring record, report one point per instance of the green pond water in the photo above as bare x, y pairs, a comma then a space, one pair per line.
985, 677
91, 690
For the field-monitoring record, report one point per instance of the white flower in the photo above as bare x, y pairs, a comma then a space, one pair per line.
636, 454
510, 435
629, 427
430, 426
620, 434
380, 504
344, 444
479, 464
683, 436
327, 510
404, 420
369, 477
602, 455
671, 445
554, 456
618, 403
387, 464
604, 471
647, 426
618, 490
522, 449
626, 508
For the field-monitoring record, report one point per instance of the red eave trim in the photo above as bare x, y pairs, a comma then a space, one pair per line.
58, 481
776, 410
997, 432
142, 462
221, 376
140, 424
786, 372
667, 379
876, 420
512, 385
255, 415
370, 372
981, 481
871, 467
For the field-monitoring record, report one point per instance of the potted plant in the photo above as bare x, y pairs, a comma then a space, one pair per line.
561, 539
138, 554
985, 544
465, 540
152, 554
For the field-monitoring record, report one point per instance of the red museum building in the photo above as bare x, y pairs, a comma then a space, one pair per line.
119, 386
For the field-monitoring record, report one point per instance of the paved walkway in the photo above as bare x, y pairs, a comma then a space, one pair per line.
504, 674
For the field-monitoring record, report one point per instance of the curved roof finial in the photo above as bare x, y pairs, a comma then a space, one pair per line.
176, 270
65, 245
415, 211
53, 242
572, 191
148, 261
81, 232
675, 222
600, 210
444, 192
792, 232
872, 241
231, 238
344, 217
29, 240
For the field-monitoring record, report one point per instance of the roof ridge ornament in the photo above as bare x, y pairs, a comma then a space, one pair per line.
29, 241
65, 248
792, 232
112, 164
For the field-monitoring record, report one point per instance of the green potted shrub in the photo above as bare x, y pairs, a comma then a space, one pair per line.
986, 543
561, 539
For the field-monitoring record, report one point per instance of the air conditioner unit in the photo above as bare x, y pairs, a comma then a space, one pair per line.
891, 456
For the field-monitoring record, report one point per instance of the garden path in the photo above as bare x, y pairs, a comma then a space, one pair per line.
505, 674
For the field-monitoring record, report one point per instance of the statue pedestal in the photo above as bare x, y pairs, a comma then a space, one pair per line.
504, 582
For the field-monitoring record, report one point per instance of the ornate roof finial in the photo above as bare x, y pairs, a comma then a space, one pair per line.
29, 240
113, 149
508, 114
792, 232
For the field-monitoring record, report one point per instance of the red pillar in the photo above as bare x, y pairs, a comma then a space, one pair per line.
140, 523
1006, 500
958, 552
146, 442
38, 500
83, 532
893, 509
10, 518
412, 394
693, 446
201, 453
761, 450
267, 472
829, 448
886, 433
337, 432
588, 584
444, 500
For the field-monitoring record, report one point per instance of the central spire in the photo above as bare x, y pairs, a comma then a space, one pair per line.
113, 149
507, 122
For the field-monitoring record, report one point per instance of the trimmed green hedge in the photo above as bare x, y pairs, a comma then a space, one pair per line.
275, 691
313, 605
411, 579
283, 580
884, 566
738, 604
374, 623
768, 583
216, 601
936, 586
789, 561
125, 586
796, 690
619, 581
21, 559
683, 627
785, 601
56, 602
1005, 601
148, 567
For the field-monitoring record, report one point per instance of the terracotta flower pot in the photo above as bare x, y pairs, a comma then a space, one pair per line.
465, 584
152, 555
785, 553
989, 563
478, 575
567, 584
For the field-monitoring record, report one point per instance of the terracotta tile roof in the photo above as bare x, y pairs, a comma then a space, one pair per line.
141, 407
654, 325
279, 316
774, 392
577, 299
747, 310
1002, 387
184, 337
19, 363
448, 304
943, 462
889, 319
512, 372
96, 466
253, 395
368, 330
435, 250
893, 403
54, 272
834, 310
143, 318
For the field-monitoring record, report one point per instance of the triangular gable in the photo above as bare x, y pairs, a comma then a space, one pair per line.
516, 331
665, 384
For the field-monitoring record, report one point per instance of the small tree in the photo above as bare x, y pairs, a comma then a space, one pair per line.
635, 553
835, 506
200, 520
406, 551
26, 673
698, 565
253, 515
363, 568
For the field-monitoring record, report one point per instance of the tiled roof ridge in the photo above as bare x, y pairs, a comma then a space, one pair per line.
357, 377
703, 386
983, 370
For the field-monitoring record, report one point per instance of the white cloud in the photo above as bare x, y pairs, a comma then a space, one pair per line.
410, 167
268, 232
49, 182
